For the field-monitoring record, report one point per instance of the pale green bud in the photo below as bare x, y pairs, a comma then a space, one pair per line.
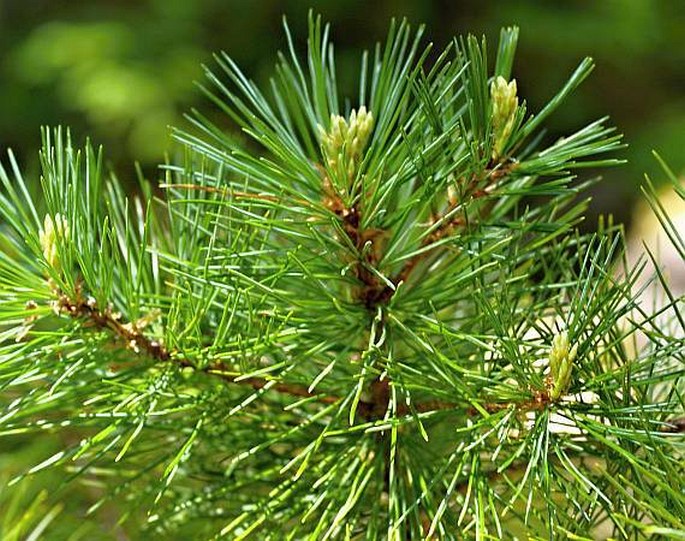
504, 106
187, 372
345, 140
53, 229
561, 357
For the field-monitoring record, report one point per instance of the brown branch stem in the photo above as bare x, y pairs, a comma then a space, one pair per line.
447, 226
228, 192
373, 293
136, 340
375, 408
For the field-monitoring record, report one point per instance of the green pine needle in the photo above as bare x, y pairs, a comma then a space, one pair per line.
344, 317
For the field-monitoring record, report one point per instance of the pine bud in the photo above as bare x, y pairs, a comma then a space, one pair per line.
345, 141
187, 372
561, 365
54, 229
504, 105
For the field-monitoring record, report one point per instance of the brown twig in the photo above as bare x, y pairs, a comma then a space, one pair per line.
136, 340
374, 408
373, 293
228, 192
351, 218
222, 191
376, 292
675, 426
447, 227
82, 308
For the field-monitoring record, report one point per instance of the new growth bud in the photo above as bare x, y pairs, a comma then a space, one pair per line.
504, 105
54, 230
345, 141
561, 365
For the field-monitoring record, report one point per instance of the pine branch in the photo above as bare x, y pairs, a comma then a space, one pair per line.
365, 319
134, 339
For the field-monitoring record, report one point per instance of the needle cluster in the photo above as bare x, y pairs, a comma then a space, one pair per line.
344, 318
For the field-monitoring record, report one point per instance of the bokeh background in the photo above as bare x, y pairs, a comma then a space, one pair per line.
122, 71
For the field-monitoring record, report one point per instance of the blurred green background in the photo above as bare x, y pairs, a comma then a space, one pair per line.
122, 71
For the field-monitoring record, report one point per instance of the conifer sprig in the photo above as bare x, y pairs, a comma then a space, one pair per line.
348, 320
